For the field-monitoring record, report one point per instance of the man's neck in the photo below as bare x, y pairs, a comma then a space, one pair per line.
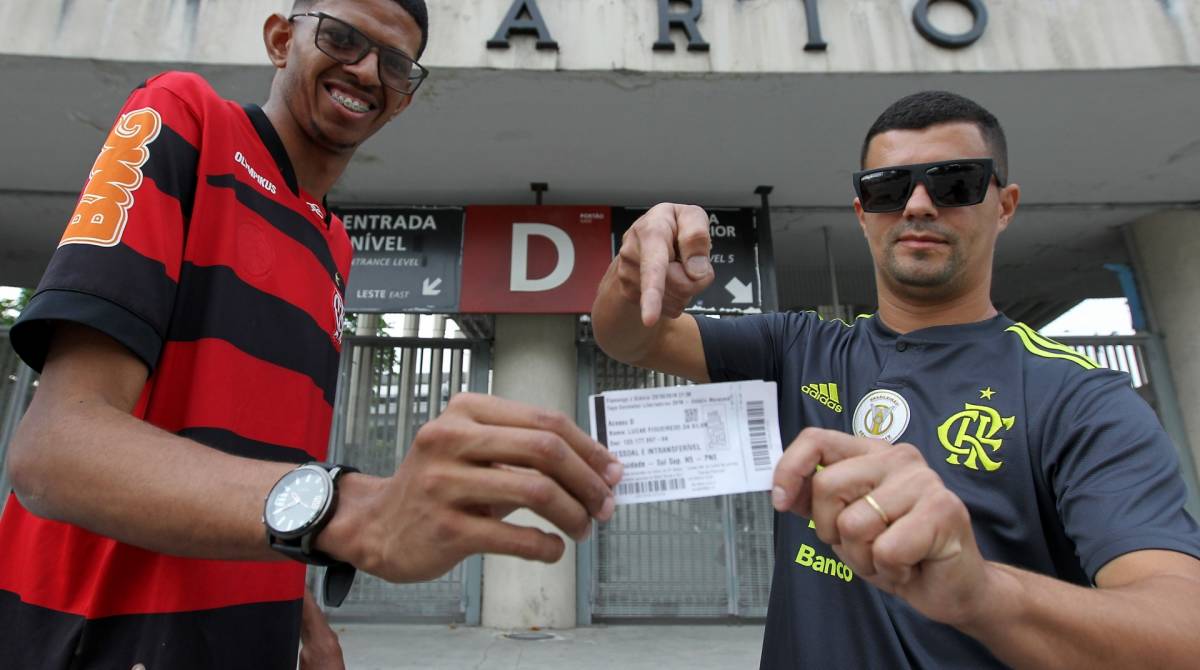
905, 315
317, 168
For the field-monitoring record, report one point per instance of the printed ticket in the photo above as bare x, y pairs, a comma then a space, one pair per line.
690, 441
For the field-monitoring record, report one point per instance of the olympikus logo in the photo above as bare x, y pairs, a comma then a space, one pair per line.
262, 181
826, 394
103, 208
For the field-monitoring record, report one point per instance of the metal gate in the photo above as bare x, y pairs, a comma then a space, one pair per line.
387, 389
699, 558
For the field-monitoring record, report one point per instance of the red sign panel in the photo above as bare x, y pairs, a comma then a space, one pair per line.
534, 259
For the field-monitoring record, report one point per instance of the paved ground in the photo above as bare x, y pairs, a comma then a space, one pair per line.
625, 647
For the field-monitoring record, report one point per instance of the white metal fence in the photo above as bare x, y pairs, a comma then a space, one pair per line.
1126, 353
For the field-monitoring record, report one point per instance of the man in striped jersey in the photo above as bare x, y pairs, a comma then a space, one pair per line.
955, 482
188, 331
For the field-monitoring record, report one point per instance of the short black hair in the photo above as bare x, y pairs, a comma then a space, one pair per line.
415, 9
930, 108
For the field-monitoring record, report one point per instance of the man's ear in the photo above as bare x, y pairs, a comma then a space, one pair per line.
1010, 197
862, 219
277, 36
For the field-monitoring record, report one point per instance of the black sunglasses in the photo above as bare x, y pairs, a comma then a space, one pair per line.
956, 183
345, 44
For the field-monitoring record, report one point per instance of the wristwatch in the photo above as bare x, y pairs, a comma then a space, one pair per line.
295, 511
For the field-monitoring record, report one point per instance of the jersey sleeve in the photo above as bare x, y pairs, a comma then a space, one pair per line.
749, 347
1115, 474
117, 265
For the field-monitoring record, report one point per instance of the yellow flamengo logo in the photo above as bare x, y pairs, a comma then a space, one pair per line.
969, 431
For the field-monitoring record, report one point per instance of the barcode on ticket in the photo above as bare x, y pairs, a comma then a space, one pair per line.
759, 444
651, 486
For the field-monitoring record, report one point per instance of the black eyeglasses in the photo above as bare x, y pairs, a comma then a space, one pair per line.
345, 44
956, 183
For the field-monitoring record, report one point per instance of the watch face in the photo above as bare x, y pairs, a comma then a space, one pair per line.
298, 499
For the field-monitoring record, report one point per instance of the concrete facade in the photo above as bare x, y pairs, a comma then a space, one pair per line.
1169, 244
534, 363
764, 36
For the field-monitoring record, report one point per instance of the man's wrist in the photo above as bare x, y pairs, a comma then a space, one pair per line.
343, 536
996, 601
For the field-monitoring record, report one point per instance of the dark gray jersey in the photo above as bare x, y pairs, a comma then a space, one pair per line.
1062, 466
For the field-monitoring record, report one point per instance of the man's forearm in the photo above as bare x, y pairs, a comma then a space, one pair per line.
91, 465
1033, 621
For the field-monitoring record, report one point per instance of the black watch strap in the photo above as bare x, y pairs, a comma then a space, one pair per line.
297, 553
339, 575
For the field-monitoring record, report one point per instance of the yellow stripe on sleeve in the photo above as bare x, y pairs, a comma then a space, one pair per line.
1062, 351
1057, 346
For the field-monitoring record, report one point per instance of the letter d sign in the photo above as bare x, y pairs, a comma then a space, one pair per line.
530, 280
519, 279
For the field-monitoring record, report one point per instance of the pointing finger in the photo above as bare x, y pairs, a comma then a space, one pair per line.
656, 250
693, 239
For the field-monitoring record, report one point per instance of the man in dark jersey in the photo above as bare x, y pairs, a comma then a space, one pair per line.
959, 491
188, 331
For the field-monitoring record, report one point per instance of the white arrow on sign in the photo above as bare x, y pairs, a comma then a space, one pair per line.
431, 287
742, 293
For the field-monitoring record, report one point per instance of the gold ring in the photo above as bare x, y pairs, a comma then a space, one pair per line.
875, 505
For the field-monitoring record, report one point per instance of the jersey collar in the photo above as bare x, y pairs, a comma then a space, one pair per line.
961, 332
270, 139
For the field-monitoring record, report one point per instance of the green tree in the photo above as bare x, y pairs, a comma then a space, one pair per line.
10, 308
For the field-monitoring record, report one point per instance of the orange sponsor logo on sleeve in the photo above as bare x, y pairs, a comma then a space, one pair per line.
103, 208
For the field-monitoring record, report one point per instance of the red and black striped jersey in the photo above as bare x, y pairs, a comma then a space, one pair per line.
193, 245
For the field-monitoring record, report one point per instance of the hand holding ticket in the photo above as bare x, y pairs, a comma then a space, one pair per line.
690, 441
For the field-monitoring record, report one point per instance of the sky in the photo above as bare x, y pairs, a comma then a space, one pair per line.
1098, 316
